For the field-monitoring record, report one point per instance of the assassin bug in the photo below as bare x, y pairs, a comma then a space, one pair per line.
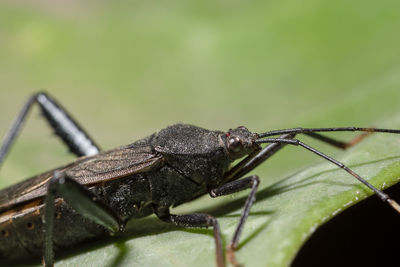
100, 191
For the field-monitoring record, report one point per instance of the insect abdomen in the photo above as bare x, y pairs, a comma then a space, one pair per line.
21, 230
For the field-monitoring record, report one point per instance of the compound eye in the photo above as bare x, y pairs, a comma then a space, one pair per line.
235, 144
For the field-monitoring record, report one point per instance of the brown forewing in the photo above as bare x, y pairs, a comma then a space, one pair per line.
103, 167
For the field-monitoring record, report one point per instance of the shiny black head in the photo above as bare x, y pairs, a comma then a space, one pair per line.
240, 142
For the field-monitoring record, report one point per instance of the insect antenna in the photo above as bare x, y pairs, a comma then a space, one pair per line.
384, 197
336, 129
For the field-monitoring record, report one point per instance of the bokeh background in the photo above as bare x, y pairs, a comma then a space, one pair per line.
127, 68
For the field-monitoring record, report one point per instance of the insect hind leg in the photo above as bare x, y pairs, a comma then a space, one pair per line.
83, 201
78, 141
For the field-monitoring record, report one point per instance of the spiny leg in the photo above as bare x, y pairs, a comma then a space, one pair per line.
230, 188
384, 197
196, 220
82, 201
78, 141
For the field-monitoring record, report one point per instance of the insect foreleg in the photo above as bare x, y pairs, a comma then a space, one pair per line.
230, 188
82, 201
198, 220
254, 159
78, 141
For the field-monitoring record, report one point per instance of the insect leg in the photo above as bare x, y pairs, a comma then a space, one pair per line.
384, 197
82, 201
197, 220
78, 141
230, 188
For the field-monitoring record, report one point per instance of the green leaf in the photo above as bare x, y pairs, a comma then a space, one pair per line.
286, 213
216, 64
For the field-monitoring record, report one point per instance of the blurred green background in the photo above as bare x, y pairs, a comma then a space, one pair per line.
127, 68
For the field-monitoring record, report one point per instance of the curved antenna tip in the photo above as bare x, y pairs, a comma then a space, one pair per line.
394, 205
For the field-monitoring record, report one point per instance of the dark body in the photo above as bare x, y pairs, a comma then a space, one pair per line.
100, 191
165, 169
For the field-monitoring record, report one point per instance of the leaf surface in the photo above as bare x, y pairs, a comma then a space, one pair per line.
288, 210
